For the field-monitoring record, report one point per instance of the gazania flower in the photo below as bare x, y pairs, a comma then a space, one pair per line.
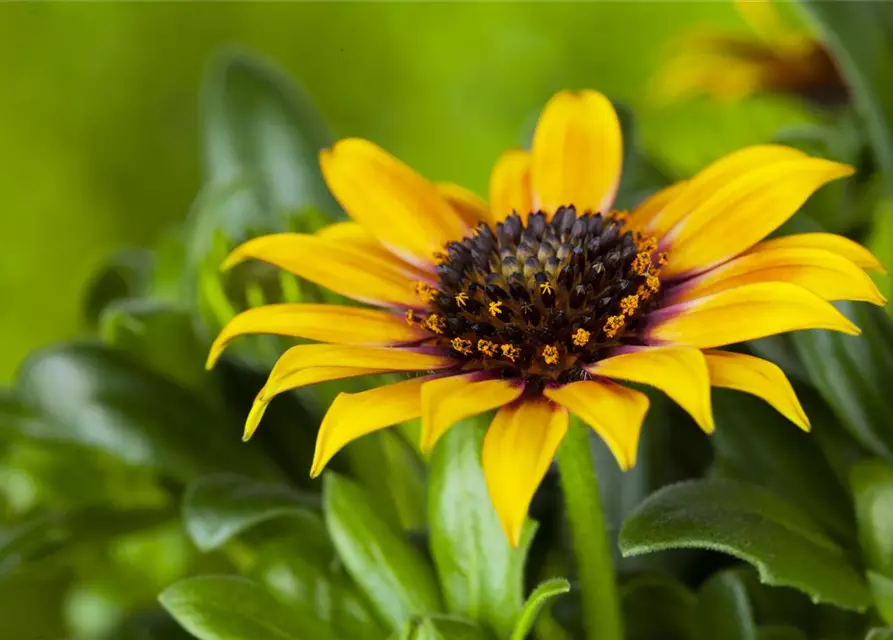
773, 58
547, 300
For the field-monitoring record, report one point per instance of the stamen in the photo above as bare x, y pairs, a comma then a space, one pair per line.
546, 287
662, 258
461, 300
410, 317
435, 323
424, 291
613, 325
487, 348
629, 305
462, 345
581, 337
494, 308
550, 354
510, 351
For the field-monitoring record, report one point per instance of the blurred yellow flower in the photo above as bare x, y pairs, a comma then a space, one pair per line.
545, 300
772, 58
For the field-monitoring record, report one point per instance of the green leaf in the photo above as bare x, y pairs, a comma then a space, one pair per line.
656, 606
442, 628
880, 242
871, 482
882, 592
218, 507
752, 524
852, 374
780, 633
261, 130
861, 39
126, 275
44, 534
391, 572
482, 577
754, 443
92, 396
724, 609
544, 592
880, 634
231, 608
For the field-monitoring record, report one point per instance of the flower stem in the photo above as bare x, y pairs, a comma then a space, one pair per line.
602, 618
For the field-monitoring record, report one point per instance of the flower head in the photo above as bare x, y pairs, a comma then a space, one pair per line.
771, 58
546, 300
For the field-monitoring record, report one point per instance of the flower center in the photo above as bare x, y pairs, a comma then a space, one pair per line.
541, 299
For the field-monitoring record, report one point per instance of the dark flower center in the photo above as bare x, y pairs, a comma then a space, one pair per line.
540, 299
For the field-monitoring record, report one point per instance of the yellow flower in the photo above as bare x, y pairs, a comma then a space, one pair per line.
714, 280
772, 58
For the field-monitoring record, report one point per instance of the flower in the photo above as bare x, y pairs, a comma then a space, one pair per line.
773, 59
547, 300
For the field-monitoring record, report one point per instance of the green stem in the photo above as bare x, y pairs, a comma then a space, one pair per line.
589, 537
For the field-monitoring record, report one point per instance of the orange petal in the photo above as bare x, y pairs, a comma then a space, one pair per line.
757, 377
323, 322
652, 206
680, 372
577, 152
340, 267
744, 212
510, 188
389, 199
826, 274
447, 400
518, 449
745, 313
834, 243
469, 205
353, 415
613, 411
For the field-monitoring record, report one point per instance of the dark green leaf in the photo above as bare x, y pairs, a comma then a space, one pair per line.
861, 39
482, 577
261, 130
780, 633
544, 592
92, 396
154, 625
755, 443
752, 524
44, 534
126, 275
219, 507
872, 485
655, 606
852, 374
393, 575
724, 609
882, 592
230, 608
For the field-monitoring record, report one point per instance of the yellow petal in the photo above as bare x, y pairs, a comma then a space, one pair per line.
613, 411
353, 415
323, 322
834, 243
306, 356
510, 188
745, 211
469, 205
654, 204
341, 267
745, 313
389, 199
518, 449
354, 237
447, 400
296, 380
680, 372
758, 377
577, 152
826, 274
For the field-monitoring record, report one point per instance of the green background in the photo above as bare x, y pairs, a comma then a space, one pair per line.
99, 110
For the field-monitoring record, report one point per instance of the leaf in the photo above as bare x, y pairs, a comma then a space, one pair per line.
871, 482
482, 577
752, 524
443, 628
861, 39
126, 275
393, 575
754, 443
880, 634
656, 606
724, 609
780, 633
852, 374
882, 591
231, 608
880, 242
92, 396
219, 507
44, 534
544, 592
260, 130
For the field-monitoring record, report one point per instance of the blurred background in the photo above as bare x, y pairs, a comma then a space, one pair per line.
99, 116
